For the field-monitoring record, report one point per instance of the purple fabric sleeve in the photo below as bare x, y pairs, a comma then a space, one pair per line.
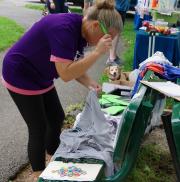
61, 42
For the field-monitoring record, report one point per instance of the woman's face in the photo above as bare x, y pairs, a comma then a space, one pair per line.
92, 32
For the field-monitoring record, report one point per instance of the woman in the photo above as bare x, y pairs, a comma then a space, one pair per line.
122, 6
45, 53
56, 6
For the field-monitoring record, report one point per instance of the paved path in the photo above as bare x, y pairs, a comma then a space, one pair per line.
13, 131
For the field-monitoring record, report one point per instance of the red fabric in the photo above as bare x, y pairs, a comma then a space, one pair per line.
157, 68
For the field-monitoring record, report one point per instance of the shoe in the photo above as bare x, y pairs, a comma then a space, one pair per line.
116, 61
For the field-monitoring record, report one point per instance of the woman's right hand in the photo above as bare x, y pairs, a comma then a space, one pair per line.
104, 44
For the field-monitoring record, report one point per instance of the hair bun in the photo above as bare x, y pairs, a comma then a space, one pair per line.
105, 4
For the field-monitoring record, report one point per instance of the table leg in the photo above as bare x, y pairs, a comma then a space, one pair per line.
166, 118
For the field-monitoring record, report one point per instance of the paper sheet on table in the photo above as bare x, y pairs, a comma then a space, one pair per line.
169, 89
91, 170
110, 87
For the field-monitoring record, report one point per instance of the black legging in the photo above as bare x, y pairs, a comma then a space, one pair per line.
44, 117
123, 16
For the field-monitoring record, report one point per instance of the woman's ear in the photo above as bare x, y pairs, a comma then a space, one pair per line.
95, 24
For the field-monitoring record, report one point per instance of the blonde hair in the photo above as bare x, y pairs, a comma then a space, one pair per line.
104, 11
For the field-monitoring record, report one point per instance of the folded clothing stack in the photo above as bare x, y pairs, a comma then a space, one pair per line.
112, 104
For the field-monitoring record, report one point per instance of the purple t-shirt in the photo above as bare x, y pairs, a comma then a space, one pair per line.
29, 64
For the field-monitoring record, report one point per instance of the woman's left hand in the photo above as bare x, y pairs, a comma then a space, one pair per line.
95, 86
89, 83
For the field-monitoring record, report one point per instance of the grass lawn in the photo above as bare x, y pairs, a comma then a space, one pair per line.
10, 32
128, 36
39, 7
76, 9
153, 165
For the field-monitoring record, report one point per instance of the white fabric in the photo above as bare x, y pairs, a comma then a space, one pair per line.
158, 57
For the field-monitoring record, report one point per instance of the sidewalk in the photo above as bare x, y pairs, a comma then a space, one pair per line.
13, 135
14, 9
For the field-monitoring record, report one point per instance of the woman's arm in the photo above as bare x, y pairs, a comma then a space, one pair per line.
72, 70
